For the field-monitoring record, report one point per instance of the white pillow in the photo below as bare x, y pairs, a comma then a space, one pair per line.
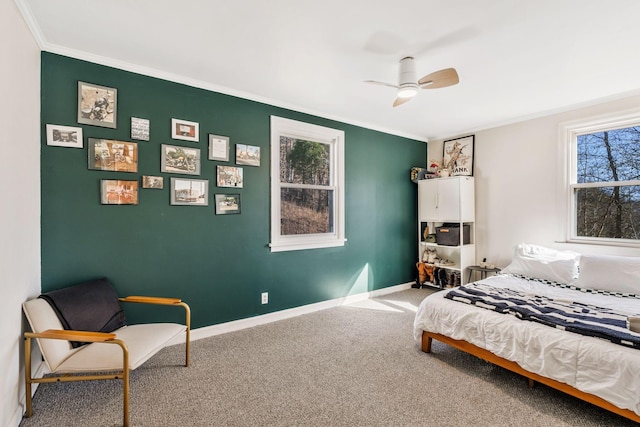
543, 263
609, 273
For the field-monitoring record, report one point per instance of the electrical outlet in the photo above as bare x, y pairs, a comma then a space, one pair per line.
265, 298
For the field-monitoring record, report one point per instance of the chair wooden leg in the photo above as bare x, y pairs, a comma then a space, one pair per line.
125, 403
27, 377
188, 332
187, 350
125, 382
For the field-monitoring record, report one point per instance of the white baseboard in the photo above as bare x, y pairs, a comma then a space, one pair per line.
250, 322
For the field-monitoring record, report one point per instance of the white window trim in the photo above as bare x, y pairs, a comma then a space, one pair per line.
567, 171
333, 137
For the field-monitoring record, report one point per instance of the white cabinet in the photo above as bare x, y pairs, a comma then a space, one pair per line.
449, 201
446, 200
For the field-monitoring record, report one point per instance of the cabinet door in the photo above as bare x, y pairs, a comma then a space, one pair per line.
448, 200
428, 200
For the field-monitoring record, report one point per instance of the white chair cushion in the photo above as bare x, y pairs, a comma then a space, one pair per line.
143, 341
42, 317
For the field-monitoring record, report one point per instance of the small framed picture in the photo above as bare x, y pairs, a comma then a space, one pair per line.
118, 192
458, 156
219, 148
116, 156
229, 176
182, 129
176, 159
156, 182
191, 192
97, 105
247, 155
139, 129
64, 136
227, 204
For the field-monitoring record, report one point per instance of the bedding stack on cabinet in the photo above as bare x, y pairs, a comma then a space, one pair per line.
446, 217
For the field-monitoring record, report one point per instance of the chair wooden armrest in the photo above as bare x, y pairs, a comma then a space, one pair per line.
70, 335
151, 300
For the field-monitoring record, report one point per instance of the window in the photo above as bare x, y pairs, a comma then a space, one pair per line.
603, 171
307, 186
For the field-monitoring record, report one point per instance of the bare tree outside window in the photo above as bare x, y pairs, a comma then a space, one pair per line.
306, 196
607, 191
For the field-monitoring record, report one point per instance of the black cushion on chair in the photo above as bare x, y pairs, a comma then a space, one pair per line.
89, 306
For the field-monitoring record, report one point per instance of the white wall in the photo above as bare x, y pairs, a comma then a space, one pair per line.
517, 181
19, 198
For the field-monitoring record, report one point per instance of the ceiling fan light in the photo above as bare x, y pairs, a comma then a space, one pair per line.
407, 92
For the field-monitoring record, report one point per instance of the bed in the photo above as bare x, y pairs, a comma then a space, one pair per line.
584, 362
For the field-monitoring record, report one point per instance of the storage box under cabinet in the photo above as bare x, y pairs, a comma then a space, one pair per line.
449, 234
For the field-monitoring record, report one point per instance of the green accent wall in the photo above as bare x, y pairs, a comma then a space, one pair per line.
219, 264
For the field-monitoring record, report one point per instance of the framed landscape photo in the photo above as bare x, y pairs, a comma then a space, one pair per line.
177, 159
189, 192
229, 176
247, 155
458, 155
97, 105
64, 136
219, 148
110, 155
182, 129
118, 192
156, 182
227, 204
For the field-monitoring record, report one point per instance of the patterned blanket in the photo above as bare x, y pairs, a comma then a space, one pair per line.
575, 317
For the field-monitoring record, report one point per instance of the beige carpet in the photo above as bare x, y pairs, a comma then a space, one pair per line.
354, 365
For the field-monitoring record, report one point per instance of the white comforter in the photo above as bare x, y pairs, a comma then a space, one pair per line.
592, 365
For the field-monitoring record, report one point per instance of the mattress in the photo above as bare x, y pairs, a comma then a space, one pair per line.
592, 365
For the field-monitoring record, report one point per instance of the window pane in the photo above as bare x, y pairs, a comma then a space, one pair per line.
303, 162
608, 212
305, 211
612, 155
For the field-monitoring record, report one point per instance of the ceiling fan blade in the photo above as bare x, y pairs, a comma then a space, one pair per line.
440, 78
400, 101
381, 83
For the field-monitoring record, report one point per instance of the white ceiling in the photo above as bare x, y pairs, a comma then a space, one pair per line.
516, 58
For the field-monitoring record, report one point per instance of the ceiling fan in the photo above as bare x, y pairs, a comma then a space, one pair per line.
408, 85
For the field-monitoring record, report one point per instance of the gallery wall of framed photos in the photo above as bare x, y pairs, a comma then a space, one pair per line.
164, 188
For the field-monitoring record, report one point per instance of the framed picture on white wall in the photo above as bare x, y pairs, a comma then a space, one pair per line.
458, 156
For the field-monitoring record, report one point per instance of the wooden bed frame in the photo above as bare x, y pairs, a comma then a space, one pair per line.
486, 355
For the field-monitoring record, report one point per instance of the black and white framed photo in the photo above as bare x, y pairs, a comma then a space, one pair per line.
218, 148
177, 159
156, 182
189, 192
64, 136
229, 176
97, 105
182, 129
247, 155
139, 129
227, 204
458, 156
118, 192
